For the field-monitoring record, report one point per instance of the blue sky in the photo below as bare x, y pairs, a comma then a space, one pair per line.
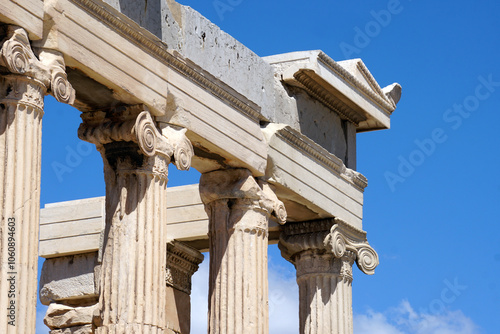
431, 207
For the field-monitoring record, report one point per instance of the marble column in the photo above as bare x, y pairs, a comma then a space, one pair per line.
239, 208
24, 81
323, 253
136, 155
182, 263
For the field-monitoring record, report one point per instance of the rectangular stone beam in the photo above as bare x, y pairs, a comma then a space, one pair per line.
71, 227
24, 13
114, 51
312, 182
76, 227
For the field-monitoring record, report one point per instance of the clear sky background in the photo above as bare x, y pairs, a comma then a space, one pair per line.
431, 207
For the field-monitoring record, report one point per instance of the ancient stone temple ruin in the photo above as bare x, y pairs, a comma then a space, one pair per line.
156, 83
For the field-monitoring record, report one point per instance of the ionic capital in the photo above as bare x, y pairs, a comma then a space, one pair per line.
134, 124
343, 237
332, 236
17, 57
240, 188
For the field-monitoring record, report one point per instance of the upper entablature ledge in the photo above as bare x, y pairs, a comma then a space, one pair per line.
346, 87
203, 45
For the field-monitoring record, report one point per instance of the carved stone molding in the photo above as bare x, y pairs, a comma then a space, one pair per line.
318, 153
59, 84
375, 94
182, 263
18, 57
343, 238
183, 150
22, 92
316, 90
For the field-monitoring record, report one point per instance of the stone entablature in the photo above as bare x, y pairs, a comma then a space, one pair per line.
274, 138
318, 184
169, 85
180, 86
182, 263
24, 13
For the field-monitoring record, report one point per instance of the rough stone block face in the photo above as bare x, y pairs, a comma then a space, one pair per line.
61, 316
228, 60
196, 38
68, 278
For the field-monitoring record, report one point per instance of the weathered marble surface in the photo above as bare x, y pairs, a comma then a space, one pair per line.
158, 83
25, 79
69, 278
323, 252
239, 208
182, 263
136, 156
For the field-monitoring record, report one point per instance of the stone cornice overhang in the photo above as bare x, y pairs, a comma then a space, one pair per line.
308, 176
360, 101
138, 68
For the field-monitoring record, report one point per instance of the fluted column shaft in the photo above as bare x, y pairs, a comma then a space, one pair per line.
325, 285
136, 157
323, 253
133, 287
20, 156
22, 91
239, 209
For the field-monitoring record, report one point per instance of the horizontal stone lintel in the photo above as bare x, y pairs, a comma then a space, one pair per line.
138, 68
312, 182
186, 218
108, 50
24, 13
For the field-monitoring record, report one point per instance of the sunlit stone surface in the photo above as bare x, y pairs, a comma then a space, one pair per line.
157, 83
